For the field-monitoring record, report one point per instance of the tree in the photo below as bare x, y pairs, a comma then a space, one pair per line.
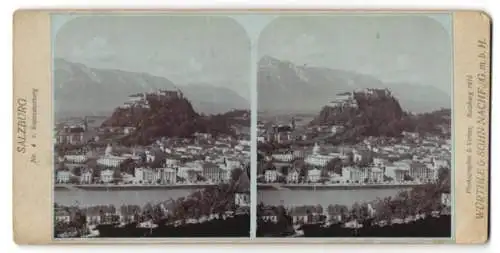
284, 170
235, 174
298, 164
335, 165
388, 179
355, 211
444, 177
61, 166
117, 176
74, 180
77, 171
128, 166
91, 163
407, 177
78, 220
324, 173
319, 209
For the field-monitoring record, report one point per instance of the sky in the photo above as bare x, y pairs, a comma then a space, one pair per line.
184, 49
217, 50
413, 49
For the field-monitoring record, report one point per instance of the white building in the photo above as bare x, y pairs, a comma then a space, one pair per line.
168, 176
356, 156
63, 177
110, 160
232, 164
107, 176
148, 175
86, 177
170, 162
114, 161
75, 158
379, 162
421, 173
438, 163
334, 177
127, 178
316, 159
293, 176
139, 175
245, 142
271, 176
288, 157
352, 174
398, 170
376, 175
314, 175
446, 199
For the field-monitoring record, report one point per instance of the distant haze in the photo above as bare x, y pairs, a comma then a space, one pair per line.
404, 50
307, 59
214, 51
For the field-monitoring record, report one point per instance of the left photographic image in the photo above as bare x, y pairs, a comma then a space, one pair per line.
151, 126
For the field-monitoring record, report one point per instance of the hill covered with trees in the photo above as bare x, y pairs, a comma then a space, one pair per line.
169, 114
376, 112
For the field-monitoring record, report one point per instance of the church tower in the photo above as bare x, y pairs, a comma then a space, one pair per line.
316, 148
109, 150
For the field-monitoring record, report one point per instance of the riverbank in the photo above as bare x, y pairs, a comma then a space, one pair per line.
264, 186
434, 227
429, 227
271, 186
237, 226
129, 186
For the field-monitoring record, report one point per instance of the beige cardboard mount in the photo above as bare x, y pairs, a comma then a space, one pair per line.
32, 136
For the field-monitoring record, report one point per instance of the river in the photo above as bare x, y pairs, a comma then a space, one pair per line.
117, 197
287, 197
324, 197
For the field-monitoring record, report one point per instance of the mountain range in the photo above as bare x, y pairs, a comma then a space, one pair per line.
80, 90
285, 86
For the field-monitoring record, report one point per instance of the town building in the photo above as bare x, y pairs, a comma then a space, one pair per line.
397, 170
314, 175
316, 159
86, 177
293, 176
63, 177
73, 135
107, 176
242, 193
168, 176
75, 158
271, 176
286, 157
62, 216
376, 175
213, 173
421, 173
110, 160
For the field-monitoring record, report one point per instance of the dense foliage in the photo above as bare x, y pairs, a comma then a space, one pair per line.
379, 114
423, 199
166, 115
210, 200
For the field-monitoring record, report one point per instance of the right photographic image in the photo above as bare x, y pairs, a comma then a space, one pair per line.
354, 128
